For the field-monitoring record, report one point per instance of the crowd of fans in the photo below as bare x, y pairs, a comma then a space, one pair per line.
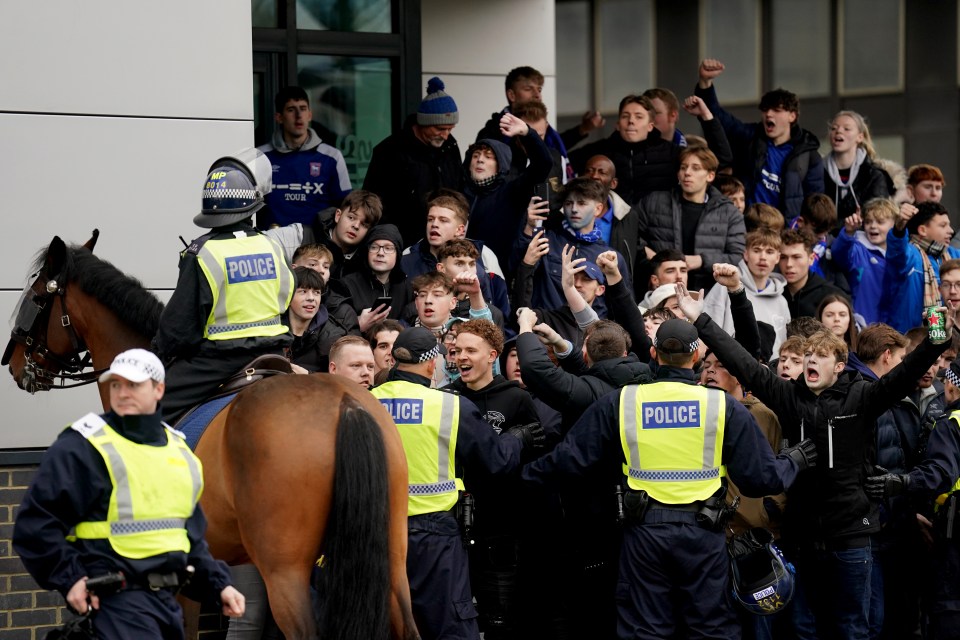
545, 266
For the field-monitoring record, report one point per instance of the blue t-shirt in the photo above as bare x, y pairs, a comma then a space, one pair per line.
767, 189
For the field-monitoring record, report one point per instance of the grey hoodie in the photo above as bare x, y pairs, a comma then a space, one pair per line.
313, 141
769, 305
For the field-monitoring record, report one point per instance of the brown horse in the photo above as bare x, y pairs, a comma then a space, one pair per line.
294, 468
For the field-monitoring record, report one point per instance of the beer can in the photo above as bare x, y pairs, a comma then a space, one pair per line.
936, 324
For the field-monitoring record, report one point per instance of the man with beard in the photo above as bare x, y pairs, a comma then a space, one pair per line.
410, 165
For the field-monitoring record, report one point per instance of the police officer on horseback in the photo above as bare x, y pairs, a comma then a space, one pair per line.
675, 442
119, 492
441, 434
234, 284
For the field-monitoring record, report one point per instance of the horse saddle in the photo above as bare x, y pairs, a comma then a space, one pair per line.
194, 422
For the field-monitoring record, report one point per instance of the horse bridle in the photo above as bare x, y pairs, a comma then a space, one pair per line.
36, 308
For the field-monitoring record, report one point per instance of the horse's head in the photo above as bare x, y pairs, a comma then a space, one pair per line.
42, 342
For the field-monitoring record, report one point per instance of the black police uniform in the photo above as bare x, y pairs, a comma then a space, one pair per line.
934, 476
71, 486
672, 569
437, 564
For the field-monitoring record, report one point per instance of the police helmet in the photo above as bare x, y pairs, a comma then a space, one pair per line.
762, 582
234, 189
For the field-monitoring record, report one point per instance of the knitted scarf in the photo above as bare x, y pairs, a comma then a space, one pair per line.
591, 237
484, 182
929, 249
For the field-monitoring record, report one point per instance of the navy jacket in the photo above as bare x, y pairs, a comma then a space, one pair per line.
595, 441
71, 486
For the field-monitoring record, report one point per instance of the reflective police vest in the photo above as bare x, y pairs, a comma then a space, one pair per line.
251, 285
428, 421
155, 491
943, 497
672, 438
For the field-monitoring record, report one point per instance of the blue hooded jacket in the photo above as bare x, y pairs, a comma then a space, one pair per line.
865, 265
902, 303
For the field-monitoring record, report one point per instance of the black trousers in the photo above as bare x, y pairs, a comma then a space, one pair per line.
192, 380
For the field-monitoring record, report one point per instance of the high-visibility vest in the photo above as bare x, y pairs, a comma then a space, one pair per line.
155, 491
943, 497
428, 421
672, 438
251, 285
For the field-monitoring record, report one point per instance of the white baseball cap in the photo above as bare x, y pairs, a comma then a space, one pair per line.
135, 365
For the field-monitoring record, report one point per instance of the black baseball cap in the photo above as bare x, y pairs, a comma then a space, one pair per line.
676, 336
416, 345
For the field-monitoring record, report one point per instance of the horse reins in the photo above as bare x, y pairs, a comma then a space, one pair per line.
71, 367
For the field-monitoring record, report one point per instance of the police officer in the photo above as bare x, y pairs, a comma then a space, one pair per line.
442, 433
938, 474
234, 284
675, 441
119, 492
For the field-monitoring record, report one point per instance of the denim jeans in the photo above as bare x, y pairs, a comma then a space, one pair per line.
832, 596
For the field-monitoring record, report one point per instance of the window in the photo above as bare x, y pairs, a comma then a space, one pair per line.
574, 58
801, 46
730, 32
626, 50
871, 46
350, 97
599, 66
370, 16
360, 69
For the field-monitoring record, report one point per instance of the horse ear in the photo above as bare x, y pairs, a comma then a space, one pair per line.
92, 242
56, 256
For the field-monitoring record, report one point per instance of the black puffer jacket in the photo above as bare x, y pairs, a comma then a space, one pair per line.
721, 234
404, 172
642, 167
572, 394
871, 182
828, 501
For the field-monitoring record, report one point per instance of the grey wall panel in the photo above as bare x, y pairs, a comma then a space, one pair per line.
137, 180
165, 59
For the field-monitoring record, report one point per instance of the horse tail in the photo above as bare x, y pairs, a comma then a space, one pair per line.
354, 583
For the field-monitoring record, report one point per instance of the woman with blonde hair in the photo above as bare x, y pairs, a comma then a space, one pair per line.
850, 174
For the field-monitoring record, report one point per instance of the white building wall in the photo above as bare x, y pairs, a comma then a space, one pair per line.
110, 114
473, 44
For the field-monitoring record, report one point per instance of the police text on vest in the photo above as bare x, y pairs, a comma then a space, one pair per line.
677, 414
404, 410
258, 266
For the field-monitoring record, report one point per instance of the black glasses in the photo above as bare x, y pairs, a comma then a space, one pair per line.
385, 248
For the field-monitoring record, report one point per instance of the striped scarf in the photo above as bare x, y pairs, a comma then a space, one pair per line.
931, 286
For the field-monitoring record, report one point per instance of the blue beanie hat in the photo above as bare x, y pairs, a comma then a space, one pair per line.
437, 107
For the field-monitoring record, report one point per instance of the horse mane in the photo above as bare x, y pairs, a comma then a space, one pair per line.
124, 295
